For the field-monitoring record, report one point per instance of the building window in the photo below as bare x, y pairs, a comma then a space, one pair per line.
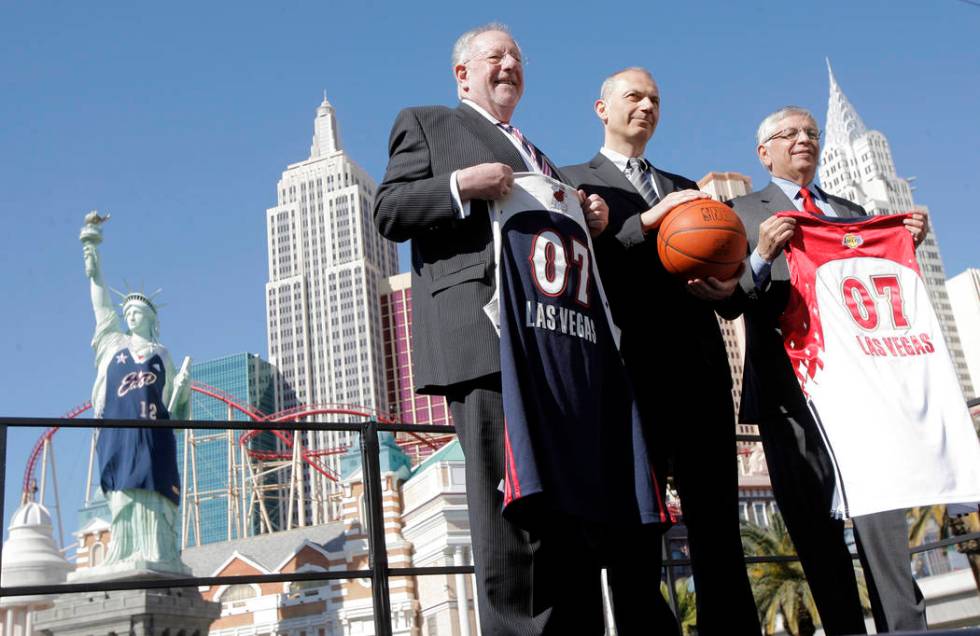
97, 554
761, 518
236, 595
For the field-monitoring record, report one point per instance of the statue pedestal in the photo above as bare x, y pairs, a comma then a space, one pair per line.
134, 569
129, 612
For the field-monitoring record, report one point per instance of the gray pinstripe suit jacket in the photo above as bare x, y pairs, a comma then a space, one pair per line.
770, 384
452, 258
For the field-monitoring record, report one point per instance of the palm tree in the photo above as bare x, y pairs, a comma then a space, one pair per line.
967, 524
686, 611
780, 588
920, 526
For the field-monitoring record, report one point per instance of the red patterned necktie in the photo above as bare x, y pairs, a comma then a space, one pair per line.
529, 148
809, 205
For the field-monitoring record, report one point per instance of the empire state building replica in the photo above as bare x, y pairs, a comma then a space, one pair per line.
326, 261
856, 164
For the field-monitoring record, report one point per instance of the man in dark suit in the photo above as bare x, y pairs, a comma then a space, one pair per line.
445, 165
673, 349
799, 465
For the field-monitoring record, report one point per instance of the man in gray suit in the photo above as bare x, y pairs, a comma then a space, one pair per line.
444, 166
799, 464
676, 358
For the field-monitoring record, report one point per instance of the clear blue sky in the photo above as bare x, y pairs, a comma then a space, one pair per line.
179, 117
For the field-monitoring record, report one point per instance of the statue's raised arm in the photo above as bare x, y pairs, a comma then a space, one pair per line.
91, 237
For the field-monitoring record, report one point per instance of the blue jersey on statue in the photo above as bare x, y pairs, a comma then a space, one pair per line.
132, 386
143, 458
573, 440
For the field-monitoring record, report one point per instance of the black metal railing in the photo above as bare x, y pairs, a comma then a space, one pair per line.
379, 571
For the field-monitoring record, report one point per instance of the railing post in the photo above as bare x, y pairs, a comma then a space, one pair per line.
668, 563
3, 475
374, 511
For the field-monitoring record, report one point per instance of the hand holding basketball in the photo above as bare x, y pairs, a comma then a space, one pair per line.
712, 289
652, 218
702, 238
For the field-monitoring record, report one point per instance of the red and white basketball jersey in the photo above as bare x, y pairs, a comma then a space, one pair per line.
871, 359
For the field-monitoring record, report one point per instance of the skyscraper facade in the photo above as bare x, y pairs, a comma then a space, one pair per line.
856, 163
403, 404
326, 263
964, 297
396, 316
214, 499
725, 186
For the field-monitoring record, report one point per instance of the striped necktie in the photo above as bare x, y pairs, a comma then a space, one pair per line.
637, 171
529, 148
809, 205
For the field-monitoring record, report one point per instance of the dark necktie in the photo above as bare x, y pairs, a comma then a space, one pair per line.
809, 205
529, 148
637, 171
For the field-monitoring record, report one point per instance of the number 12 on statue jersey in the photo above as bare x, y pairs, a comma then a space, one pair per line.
549, 263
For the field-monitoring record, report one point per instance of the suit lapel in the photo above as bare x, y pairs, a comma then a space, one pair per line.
613, 176
608, 172
776, 200
665, 185
491, 137
842, 210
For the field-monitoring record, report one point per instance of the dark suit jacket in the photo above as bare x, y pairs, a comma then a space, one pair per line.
452, 258
771, 387
669, 337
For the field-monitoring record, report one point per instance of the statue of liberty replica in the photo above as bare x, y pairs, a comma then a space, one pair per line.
135, 380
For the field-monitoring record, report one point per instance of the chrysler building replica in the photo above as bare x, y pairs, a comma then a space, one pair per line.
856, 163
322, 299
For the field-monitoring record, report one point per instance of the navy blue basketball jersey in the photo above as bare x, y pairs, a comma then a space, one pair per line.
573, 440
137, 457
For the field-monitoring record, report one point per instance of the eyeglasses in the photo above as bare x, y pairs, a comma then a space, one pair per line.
791, 134
495, 57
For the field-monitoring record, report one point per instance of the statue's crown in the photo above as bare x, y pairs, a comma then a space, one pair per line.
137, 297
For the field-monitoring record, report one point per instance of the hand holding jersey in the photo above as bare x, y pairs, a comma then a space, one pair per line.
489, 181
917, 223
595, 211
776, 232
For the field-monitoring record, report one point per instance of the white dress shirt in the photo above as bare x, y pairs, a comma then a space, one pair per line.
464, 208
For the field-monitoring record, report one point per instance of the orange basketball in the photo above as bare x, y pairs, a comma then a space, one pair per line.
702, 238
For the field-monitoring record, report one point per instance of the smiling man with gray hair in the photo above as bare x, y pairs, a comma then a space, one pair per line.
445, 167
800, 466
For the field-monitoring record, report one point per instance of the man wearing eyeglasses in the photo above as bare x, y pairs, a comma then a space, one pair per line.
799, 466
445, 166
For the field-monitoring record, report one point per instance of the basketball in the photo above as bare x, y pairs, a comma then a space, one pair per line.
702, 238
